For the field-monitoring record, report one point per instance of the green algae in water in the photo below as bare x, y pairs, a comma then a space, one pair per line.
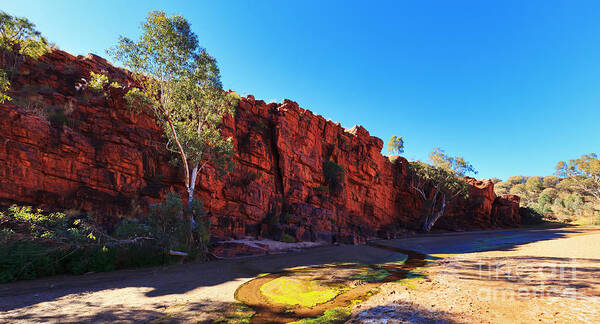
331, 316
370, 275
306, 293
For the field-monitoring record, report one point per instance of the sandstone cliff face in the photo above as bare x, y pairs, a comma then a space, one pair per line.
94, 154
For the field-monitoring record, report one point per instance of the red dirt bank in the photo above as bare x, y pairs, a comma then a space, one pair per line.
105, 156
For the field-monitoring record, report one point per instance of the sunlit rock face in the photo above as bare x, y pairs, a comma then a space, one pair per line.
92, 153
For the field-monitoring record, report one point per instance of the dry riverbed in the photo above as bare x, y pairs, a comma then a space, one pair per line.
514, 276
551, 281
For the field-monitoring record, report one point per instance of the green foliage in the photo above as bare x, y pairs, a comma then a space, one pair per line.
452, 164
4, 87
97, 81
180, 85
30, 259
395, 145
18, 35
334, 175
532, 216
513, 180
574, 193
18, 38
550, 192
55, 226
550, 181
502, 188
130, 229
287, 238
534, 184
439, 183
167, 224
581, 175
34, 244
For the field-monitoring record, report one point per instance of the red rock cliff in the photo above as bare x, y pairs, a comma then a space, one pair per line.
92, 153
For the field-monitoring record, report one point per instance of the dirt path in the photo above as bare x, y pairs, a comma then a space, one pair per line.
454, 290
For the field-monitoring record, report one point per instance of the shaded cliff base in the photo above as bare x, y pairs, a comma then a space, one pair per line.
66, 146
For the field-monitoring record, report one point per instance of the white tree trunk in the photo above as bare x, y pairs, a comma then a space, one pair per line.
434, 216
190, 190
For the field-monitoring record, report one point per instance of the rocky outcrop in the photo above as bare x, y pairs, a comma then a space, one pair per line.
66, 146
506, 211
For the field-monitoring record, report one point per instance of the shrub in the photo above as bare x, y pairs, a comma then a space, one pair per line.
97, 81
130, 229
4, 87
34, 244
200, 232
54, 226
334, 175
29, 259
20, 36
169, 226
19, 39
532, 217
287, 238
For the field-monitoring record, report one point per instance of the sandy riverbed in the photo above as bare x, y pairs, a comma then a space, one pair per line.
475, 278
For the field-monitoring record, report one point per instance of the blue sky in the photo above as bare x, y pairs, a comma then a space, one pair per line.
513, 86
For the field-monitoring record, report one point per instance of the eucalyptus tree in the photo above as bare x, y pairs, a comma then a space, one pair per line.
439, 183
18, 35
395, 145
18, 39
581, 175
179, 83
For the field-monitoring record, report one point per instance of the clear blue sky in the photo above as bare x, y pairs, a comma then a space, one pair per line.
513, 86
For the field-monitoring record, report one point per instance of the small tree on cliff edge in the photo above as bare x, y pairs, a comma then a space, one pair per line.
396, 145
180, 84
439, 183
18, 39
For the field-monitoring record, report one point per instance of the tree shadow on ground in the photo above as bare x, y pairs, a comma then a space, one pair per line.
529, 276
205, 311
403, 312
